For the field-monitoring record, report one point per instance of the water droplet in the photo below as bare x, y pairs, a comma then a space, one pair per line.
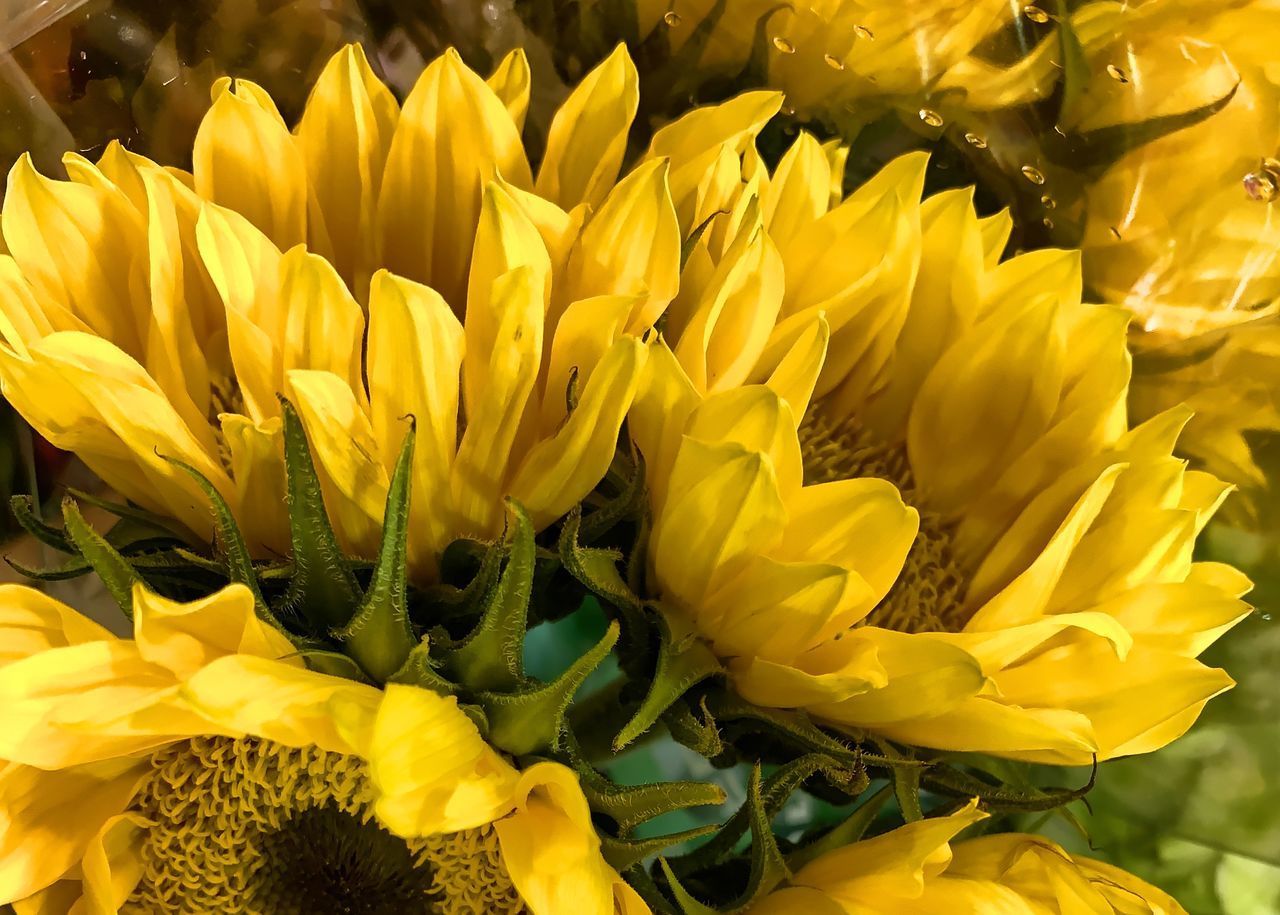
1263, 183
1115, 233
1265, 617
1035, 14
1033, 174
835, 63
787, 111
672, 18
1117, 74
931, 117
975, 141
862, 31
1048, 202
784, 45
1048, 223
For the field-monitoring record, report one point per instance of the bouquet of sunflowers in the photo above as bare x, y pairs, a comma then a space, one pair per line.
659, 484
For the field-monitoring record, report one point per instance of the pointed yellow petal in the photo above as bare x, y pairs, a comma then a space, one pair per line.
256, 453
583, 335
345, 135
588, 136
324, 325
631, 246
800, 190
352, 475
415, 356
432, 773
796, 375
31, 622
757, 419
453, 137
112, 865
721, 509
512, 83
75, 244
246, 160
496, 411
559, 472
662, 405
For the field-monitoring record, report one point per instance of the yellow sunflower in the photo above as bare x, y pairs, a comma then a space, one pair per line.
374, 263
199, 766
918, 868
1034, 596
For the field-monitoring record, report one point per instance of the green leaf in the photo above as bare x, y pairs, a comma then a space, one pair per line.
380, 636
531, 721
492, 656
110, 566
684, 660
322, 588
230, 540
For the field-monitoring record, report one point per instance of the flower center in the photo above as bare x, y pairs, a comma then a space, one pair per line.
250, 827
928, 595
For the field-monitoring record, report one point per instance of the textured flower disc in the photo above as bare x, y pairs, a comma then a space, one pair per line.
249, 826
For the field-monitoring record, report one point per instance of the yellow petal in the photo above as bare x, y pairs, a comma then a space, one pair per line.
800, 190
830, 672
453, 137
75, 243
112, 866
584, 333
663, 403
245, 267
588, 135
795, 377
631, 246
722, 507
23, 320
324, 325
550, 847
988, 398
512, 82
257, 468
352, 475
432, 773
926, 676
415, 356
185, 637
759, 420
245, 695
50, 818
31, 622
495, 415
345, 134
559, 472
996, 230
246, 160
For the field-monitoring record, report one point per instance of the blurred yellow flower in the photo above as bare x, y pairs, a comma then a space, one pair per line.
199, 766
1035, 596
919, 868
151, 314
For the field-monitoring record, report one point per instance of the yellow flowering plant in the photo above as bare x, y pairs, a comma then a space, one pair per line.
858, 496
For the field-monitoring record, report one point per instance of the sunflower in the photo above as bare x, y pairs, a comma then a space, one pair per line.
199, 766
893, 481
360, 265
919, 868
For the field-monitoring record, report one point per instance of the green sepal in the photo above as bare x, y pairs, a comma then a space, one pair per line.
700, 734
761, 806
643, 883
114, 570
690, 243
420, 670
949, 781
688, 905
380, 637
334, 663
626, 853
684, 661
848, 831
322, 588
531, 721
492, 656
24, 512
229, 540
794, 728
1094, 152
145, 524
906, 789
768, 866
631, 501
